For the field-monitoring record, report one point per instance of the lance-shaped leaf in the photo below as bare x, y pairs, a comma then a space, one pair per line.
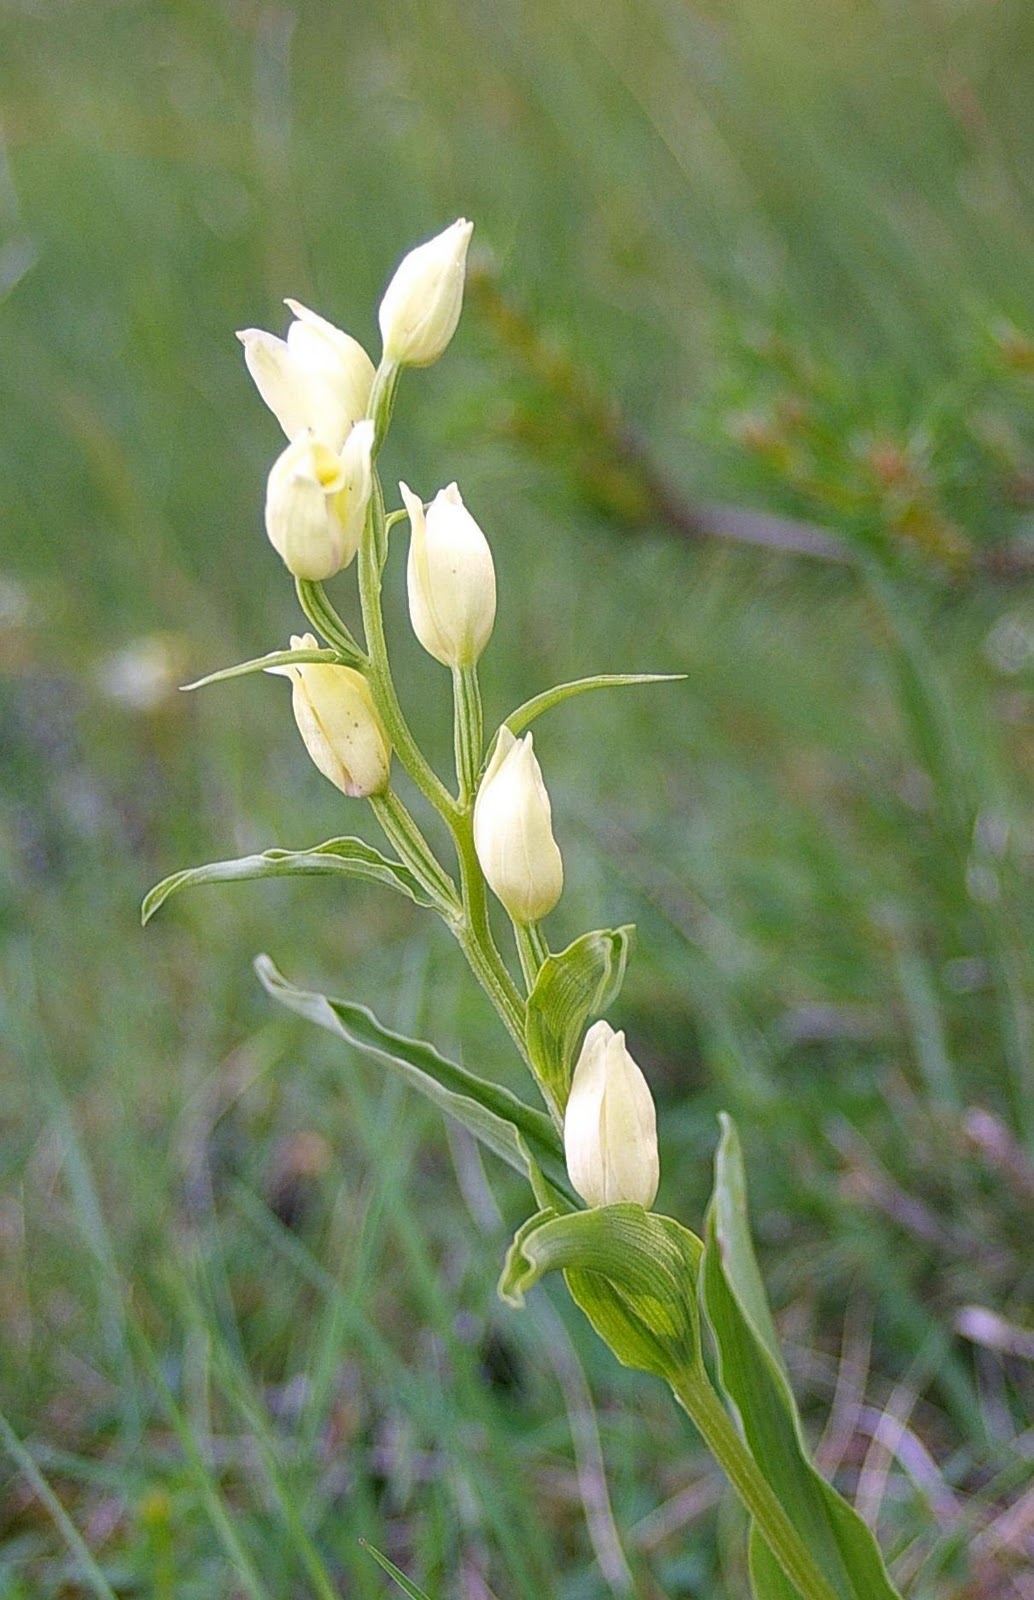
520, 719
753, 1376
502, 1122
407, 1585
633, 1273
338, 858
573, 986
275, 658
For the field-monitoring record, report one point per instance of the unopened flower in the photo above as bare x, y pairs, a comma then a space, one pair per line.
451, 578
422, 303
316, 502
317, 378
338, 721
610, 1125
513, 831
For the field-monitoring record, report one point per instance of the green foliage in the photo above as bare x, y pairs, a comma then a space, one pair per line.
405, 1584
633, 1273
488, 1110
274, 658
572, 987
753, 1374
341, 858
526, 714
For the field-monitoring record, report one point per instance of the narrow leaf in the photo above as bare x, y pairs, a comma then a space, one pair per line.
89, 1572
732, 1230
520, 719
407, 1585
633, 1273
337, 858
275, 658
574, 986
505, 1124
753, 1376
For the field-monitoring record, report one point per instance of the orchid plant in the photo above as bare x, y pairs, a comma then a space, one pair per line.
659, 1295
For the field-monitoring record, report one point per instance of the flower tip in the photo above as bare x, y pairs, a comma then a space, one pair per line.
412, 502
513, 832
421, 305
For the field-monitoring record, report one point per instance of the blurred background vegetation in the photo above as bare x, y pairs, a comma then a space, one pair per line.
742, 390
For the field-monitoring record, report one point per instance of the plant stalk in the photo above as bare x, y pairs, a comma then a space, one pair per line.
404, 833
320, 612
470, 925
378, 671
468, 731
382, 400
532, 949
476, 939
713, 1423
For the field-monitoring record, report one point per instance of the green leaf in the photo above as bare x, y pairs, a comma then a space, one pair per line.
520, 719
275, 658
505, 1124
633, 1273
752, 1374
572, 986
338, 858
407, 1585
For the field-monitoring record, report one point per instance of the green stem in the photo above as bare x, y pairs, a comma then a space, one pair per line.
477, 942
320, 612
532, 949
468, 731
715, 1427
378, 671
382, 400
404, 833
471, 927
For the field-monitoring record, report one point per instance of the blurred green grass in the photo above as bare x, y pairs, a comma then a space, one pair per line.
249, 1305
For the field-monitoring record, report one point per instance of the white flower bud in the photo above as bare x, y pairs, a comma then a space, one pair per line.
338, 721
513, 831
451, 578
316, 502
422, 303
610, 1125
318, 378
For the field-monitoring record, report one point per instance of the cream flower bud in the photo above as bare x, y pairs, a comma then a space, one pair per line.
610, 1125
513, 831
338, 721
317, 378
451, 578
422, 303
316, 502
